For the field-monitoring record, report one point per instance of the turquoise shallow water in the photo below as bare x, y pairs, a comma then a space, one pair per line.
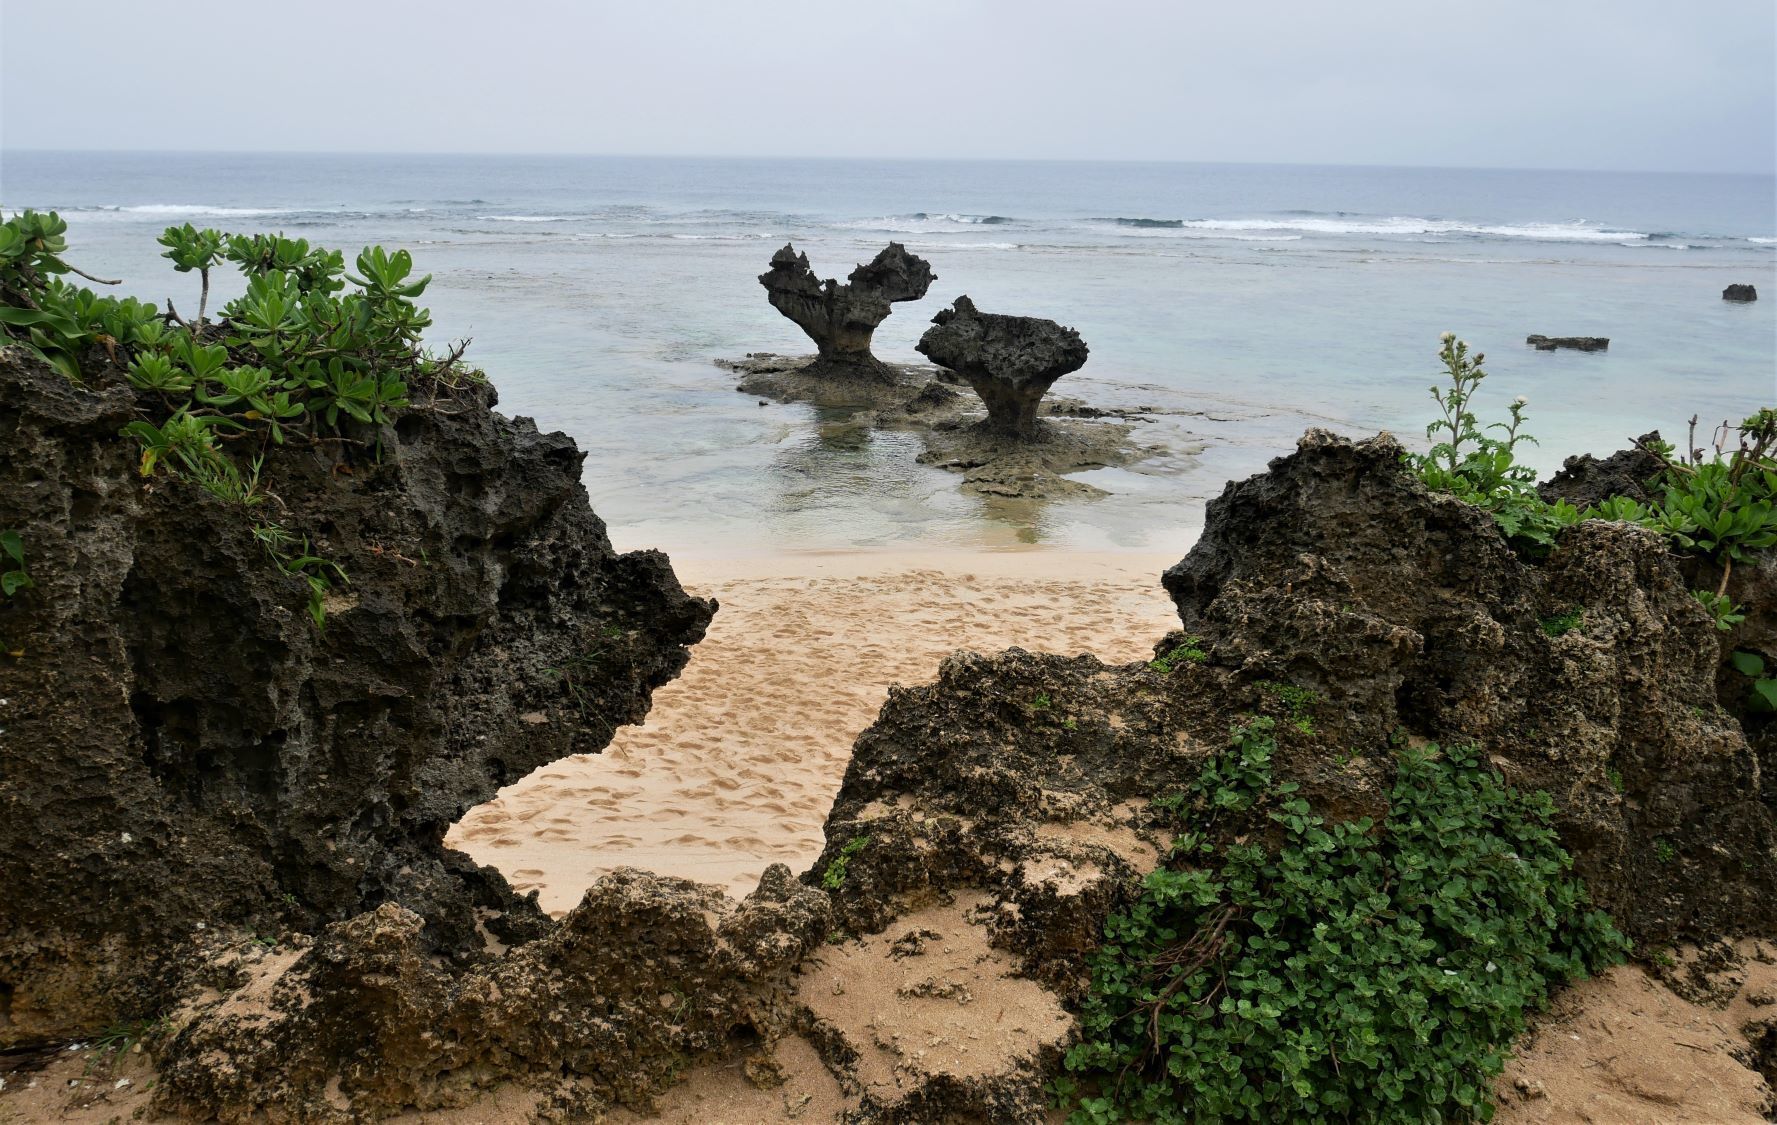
1262, 299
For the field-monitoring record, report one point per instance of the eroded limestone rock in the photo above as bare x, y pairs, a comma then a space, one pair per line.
841, 319
1010, 361
649, 974
183, 751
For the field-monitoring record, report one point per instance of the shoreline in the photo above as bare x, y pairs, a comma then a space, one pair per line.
739, 759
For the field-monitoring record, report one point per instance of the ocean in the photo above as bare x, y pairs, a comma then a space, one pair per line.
1251, 301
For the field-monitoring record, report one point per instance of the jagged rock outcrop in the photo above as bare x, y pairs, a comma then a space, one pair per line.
1577, 343
841, 319
1336, 571
1406, 614
1585, 480
183, 751
1023, 783
1741, 293
1010, 361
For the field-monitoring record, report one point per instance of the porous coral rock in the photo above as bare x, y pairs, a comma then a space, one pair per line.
181, 747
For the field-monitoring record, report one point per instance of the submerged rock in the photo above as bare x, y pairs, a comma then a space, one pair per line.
1740, 293
1010, 361
1577, 343
841, 319
186, 752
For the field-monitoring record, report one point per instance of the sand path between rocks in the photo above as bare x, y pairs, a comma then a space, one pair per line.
738, 762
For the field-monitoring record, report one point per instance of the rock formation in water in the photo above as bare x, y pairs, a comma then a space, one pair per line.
1577, 343
1010, 361
185, 753
1740, 293
841, 319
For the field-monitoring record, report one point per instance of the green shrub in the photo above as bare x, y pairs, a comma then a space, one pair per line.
1720, 503
1281, 968
1470, 464
299, 357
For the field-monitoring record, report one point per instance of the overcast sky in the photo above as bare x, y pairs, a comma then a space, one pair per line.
1635, 84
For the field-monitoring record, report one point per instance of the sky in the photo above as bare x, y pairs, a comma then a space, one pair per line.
1660, 85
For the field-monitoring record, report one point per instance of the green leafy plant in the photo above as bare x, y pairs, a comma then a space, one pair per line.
37, 308
1279, 967
191, 249
834, 876
1041, 702
299, 357
1189, 650
1467, 462
1722, 504
1298, 701
292, 555
1721, 607
1761, 694
1561, 624
1664, 851
14, 577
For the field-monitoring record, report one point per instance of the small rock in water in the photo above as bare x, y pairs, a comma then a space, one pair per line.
1578, 343
1740, 293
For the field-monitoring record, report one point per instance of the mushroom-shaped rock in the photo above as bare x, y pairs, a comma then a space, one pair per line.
1741, 293
840, 319
1011, 361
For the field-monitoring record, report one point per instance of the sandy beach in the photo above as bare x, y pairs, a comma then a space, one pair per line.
741, 755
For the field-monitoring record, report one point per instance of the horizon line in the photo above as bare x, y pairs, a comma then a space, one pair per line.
23, 150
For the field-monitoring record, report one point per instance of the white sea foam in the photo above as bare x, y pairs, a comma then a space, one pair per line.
524, 218
198, 209
1761, 241
1411, 225
921, 223
1220, 234
162, 211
